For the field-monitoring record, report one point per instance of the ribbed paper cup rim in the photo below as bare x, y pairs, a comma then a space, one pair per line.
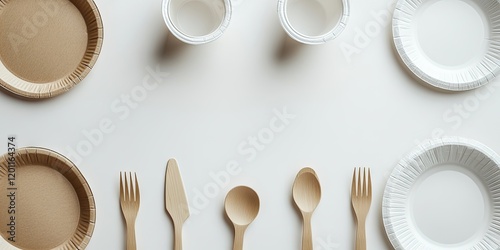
27, 89
197, 40
313, 40
38, 156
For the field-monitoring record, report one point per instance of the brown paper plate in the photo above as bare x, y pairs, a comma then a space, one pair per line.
53, 206
47, 46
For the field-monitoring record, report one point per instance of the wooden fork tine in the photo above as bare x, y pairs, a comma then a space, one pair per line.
127, 195
369, 184
360, 183
137, 193
121, 186
365, 182
132, 188
353, 185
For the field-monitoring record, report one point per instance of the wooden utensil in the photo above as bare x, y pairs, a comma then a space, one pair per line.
130, 200
361, 198
306, 193
242, 206
175, 201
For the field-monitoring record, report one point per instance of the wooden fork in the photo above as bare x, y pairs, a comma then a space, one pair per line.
361, 198
130, 200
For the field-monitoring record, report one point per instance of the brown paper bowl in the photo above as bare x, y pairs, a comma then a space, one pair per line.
47, 46
54, 206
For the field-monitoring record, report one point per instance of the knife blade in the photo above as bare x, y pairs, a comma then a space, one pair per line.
175, 200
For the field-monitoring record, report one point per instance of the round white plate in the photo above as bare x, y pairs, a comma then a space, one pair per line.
444, 195
450, 44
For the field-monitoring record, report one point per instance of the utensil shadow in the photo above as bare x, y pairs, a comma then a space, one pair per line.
299, 220
226, 218
230, 224
123, 228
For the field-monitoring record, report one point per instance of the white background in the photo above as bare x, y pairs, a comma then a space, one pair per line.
350, 111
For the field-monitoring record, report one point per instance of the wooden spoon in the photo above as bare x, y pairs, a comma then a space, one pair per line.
242, 206
306, 194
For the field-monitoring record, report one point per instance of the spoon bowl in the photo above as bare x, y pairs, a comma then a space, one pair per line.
242, 206
306, 192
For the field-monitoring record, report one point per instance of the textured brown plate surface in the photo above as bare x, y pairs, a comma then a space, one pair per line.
53, 206
47, 46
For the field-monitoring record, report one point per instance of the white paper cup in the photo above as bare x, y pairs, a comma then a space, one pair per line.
313, 21
197, 21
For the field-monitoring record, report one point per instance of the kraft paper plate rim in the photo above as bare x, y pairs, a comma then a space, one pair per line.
49, 158
18, 86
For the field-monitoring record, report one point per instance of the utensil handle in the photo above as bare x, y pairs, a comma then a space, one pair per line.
177, 236
239, 232
361, 236
131, 245
307, 243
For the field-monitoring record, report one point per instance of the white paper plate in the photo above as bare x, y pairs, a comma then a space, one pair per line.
444, 195
450, 44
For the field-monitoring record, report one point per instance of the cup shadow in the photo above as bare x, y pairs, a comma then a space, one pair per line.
170, 48
287, 48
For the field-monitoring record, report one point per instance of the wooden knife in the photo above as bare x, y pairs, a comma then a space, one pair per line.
175, 201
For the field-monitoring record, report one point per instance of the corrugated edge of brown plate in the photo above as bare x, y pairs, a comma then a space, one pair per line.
92, 17
63, 165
